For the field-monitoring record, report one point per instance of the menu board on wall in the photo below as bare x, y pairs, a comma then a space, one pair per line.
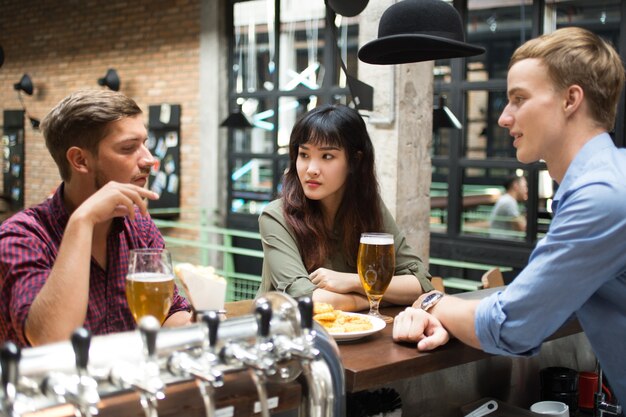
13, 159
164, 143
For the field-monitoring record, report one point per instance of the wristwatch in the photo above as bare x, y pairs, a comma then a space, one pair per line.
431, 299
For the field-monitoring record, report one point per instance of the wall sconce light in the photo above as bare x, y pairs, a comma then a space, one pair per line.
237, 120
110, 80
443, 117
26, 85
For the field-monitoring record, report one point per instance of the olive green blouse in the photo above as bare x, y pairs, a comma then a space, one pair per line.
283, 268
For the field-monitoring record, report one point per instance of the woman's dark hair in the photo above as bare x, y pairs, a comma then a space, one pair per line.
359, 211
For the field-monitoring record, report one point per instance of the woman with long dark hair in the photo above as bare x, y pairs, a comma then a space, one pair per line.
330, 196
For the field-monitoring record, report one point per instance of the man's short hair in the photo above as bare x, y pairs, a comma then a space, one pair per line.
82, 119
576, 56
510, 181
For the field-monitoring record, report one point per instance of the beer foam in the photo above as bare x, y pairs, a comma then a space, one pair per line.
150, 277
377, 240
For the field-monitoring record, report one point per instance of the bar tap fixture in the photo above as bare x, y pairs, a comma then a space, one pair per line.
321, 398
9, 361
145, 379
601, 406
79, 389
204, 367
257, 358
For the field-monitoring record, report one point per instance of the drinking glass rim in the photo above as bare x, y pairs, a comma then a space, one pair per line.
376, 234
377, 238
149, 250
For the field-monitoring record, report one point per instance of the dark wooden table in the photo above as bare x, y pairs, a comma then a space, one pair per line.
377, 360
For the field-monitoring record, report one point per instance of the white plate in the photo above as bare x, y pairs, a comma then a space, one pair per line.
377, 323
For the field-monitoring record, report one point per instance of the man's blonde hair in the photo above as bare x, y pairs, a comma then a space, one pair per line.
576, 56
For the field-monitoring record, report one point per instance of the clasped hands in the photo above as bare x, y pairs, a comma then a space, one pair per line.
416, 325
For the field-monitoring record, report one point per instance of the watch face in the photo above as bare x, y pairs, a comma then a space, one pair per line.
430, 300
431, 297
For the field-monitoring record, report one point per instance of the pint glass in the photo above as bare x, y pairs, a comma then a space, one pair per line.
376, 264
150, 283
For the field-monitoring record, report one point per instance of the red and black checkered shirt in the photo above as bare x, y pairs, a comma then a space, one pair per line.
29, 243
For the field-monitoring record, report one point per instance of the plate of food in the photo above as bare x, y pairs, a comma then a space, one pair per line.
343, 326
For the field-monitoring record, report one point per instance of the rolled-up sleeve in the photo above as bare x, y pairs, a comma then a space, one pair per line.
561, 276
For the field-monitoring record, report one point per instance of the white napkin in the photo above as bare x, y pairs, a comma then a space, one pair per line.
205, 289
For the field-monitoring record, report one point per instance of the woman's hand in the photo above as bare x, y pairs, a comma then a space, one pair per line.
339, 282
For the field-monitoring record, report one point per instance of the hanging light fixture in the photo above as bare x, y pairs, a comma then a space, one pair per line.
348, 8
110, 80
237, 120
443, 117
26, 85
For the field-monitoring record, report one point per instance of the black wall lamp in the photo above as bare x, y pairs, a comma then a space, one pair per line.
443, 117
237, 120
110, 80
26, 85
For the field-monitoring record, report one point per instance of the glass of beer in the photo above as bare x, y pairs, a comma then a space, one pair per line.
376, 264
150, 283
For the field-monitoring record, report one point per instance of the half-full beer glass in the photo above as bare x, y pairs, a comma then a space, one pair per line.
376, 264
150, 283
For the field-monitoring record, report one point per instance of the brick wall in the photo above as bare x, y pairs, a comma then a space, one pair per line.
65, 45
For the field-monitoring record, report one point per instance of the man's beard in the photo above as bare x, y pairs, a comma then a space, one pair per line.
100, 180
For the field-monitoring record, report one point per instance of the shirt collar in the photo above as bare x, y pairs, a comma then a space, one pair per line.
595, 146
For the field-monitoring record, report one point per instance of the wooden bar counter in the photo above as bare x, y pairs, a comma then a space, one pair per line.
439, 383
377, 360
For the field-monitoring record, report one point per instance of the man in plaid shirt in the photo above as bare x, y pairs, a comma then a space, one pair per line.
63, 263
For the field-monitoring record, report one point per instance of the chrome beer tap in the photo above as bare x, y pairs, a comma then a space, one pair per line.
9, 361
203, 368
80, 390
259, 359
601, 407
321, 399
145, 380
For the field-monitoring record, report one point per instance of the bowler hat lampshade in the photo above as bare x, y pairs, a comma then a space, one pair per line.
418, 30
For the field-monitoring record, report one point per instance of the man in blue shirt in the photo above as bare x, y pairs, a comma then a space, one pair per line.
563, 91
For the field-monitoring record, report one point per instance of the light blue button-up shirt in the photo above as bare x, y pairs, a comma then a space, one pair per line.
578, 268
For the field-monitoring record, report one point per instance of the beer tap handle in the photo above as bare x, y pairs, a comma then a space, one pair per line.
305, 305
263, 314
149, 327
10, 355
211, 322
81, 340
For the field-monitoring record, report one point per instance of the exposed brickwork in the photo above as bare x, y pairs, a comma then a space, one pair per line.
65, 45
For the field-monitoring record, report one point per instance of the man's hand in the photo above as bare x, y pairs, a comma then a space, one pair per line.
416, 325
339, 282
114, 200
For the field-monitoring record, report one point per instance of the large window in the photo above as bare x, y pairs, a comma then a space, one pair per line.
284, 62
472, 165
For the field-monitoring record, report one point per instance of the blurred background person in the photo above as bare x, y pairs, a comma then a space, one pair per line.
506, 215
